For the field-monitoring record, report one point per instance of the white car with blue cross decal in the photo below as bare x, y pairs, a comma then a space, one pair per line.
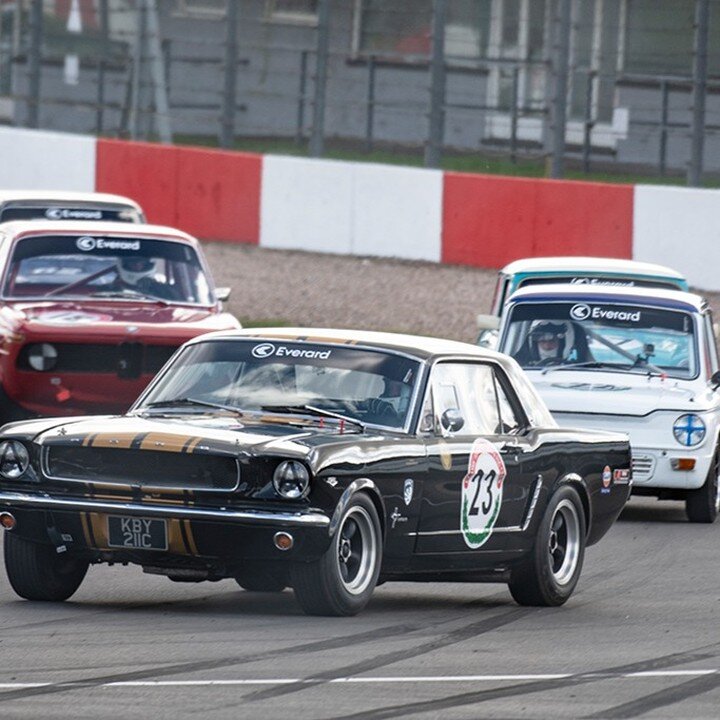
643, 361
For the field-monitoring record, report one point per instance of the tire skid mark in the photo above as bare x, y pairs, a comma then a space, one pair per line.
660, 699
482, 696
451, 638
201, 665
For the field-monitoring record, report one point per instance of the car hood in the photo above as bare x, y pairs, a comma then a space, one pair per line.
73, 317
272, 435
613, 394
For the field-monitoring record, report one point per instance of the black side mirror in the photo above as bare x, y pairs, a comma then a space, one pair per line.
452, 420
715, 380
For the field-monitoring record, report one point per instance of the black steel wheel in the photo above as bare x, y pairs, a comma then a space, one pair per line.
549, 574
702, 505
38, 572
343, 579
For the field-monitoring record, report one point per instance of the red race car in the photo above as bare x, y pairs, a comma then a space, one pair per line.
90, 311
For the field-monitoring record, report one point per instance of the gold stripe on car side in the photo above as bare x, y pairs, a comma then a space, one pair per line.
86, 529
165, 442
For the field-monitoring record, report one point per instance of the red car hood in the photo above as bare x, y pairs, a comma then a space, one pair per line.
100, 318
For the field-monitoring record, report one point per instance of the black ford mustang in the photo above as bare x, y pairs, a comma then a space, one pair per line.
319, 459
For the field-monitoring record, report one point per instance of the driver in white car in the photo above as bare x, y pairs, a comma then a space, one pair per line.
552, 342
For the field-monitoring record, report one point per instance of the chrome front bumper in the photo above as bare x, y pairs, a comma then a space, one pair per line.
10, 500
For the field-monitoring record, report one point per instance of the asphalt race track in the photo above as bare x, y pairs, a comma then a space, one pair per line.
639, 638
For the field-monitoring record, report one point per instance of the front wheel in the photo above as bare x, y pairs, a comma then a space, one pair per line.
702, 505
549, 574
343, 579
38, 572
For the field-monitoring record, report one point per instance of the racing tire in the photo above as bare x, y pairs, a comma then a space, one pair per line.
550, 572
38, 572
341, 582
702, 505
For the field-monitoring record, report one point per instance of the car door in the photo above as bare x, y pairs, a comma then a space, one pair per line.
478, 485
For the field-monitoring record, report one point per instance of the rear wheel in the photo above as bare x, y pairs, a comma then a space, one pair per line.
549, 574
702, 505
38, 572
343, 579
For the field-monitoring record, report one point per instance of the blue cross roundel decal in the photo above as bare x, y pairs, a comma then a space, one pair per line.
689, 430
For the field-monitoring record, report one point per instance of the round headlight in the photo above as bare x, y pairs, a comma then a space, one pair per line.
42, 356
689, 430
14, 459
291, 479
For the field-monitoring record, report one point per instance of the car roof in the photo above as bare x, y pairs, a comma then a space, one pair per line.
16, 228
609, 293
60, 196
589, 264
417, 345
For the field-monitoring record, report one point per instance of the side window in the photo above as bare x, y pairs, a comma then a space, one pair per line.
465, 399
710, 342
509, 420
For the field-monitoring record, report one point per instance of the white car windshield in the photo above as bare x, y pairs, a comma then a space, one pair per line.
601, 336
284, 376
96, 267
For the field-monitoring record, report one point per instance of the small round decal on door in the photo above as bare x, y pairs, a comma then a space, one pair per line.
482, 490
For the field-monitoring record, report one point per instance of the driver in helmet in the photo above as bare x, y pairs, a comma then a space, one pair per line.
551, 342
139, 273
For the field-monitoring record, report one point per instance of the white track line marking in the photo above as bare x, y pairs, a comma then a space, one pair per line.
418, 679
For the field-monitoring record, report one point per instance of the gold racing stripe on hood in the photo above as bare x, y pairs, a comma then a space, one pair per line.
167, 442
191, 444
113, 440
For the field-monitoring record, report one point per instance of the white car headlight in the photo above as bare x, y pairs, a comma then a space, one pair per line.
14, 459
689, 430
291, 479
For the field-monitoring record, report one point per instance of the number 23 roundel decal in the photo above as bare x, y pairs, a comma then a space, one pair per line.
482, 490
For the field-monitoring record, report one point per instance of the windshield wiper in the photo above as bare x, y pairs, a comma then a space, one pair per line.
586, 364
128, 293
312, 410
193, 402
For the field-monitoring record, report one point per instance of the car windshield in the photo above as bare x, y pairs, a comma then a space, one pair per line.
369, 386
596, 336
92, 267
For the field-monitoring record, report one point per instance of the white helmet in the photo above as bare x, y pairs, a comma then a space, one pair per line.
132, 269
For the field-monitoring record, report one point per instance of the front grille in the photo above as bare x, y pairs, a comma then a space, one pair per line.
145, 468
642, 466
128, 360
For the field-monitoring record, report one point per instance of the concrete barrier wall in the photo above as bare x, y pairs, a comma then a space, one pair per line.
489, 221
36, 160
208, 193
380, 210
679, 227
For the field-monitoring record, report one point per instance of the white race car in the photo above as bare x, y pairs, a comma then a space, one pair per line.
642, 361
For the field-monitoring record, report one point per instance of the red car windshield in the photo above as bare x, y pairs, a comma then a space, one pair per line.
106, 267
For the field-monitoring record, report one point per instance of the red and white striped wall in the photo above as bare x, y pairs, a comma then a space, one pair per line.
381, 210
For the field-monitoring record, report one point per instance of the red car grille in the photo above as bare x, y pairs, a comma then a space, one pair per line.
127, 360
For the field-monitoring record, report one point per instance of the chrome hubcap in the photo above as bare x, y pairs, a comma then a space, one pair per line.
356, 550
564, 542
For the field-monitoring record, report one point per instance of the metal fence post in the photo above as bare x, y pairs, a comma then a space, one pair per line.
370, 119
514, 114
302, 90
702, 21
105, 38
317, 138
589, 123
562, 62
227, 132
436, 130
665, 90
35, 63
